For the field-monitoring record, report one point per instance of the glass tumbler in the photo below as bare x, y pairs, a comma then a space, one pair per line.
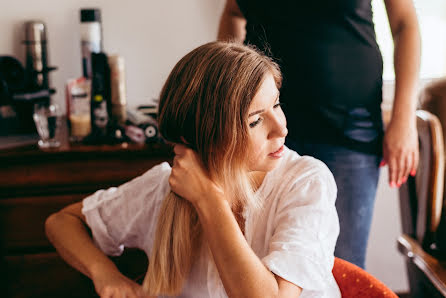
47, 118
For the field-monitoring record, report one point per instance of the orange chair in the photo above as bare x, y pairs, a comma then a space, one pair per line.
355, 282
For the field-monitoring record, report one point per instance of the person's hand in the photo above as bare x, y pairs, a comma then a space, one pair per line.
116, 285
400, 151
189, 179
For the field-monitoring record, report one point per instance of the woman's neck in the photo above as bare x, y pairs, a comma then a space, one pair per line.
257, 177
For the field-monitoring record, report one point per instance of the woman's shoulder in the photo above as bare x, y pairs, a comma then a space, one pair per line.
149, 186
156, 179
302, 180
301, 174
295, 166
157, 172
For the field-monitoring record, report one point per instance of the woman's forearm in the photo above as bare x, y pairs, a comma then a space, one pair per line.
407, 48
68, 234
406, 61
241, 271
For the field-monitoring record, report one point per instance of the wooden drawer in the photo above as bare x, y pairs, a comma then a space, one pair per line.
70, 176
22, 221
47, 275
35, 184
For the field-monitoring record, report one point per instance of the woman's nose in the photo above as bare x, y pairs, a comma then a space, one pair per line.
278, 129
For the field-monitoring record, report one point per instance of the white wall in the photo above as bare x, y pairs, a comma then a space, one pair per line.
432, 23
383, 259
152, 36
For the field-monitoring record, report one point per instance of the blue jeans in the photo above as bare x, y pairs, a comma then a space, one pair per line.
356, 176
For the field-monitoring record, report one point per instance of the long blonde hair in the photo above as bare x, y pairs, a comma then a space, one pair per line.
205, 102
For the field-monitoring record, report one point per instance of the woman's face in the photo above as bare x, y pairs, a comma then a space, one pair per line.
267, 128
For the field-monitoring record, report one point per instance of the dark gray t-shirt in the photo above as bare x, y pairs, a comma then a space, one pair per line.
331, 63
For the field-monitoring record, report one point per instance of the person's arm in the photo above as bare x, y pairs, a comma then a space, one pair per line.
232, 23
241, 271
401, 139
68, 232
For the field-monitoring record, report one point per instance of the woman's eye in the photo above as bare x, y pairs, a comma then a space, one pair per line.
253, 124
277, 105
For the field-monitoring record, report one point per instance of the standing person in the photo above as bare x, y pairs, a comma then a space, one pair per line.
332, 93
238, 214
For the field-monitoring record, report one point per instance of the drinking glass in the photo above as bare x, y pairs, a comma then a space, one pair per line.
48, 119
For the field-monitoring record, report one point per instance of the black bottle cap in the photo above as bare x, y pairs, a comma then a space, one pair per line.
90, 15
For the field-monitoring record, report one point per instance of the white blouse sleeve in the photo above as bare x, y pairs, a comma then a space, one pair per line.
306, 227
126, 216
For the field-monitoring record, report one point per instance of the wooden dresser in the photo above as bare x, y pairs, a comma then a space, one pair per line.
35, 183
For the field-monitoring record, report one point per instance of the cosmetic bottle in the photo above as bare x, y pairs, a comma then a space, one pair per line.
100, 97
91, 37
118, 89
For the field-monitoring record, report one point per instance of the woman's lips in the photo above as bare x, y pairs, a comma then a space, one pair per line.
278, 153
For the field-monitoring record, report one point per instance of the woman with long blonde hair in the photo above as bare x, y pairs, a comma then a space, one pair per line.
237, 214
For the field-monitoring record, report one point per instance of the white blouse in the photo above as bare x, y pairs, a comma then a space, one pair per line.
294, 234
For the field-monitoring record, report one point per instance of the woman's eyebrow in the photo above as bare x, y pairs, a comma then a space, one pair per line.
261, 111
256, 112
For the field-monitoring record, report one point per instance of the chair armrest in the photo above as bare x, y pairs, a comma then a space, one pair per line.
434, 270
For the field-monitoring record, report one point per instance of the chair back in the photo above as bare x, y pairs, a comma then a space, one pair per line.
421, 198
355, 282
433, 99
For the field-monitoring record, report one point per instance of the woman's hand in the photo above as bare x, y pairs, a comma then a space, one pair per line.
400, 151
189, 179
117, 285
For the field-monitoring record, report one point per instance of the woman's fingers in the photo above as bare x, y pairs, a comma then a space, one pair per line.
176, 161
400, 167
122, 287
409, 166
141, 294
108, 292
393, 171
416, 156
179, 149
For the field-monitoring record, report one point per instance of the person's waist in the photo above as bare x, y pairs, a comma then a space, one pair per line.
299, 35
331, 136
